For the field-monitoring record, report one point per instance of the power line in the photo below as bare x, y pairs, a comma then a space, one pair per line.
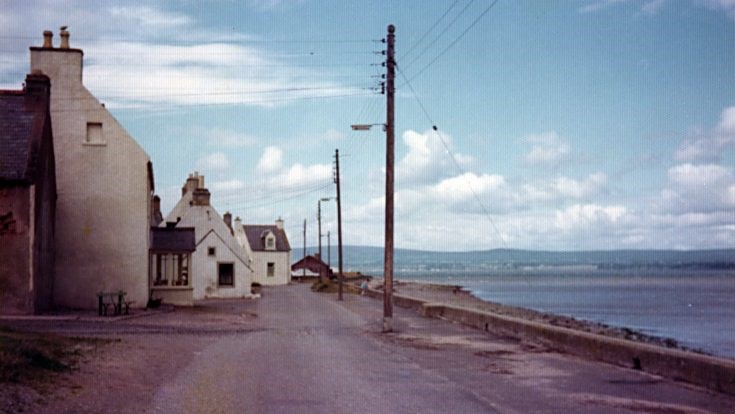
436, 23
422, 70
485, 210
440, 34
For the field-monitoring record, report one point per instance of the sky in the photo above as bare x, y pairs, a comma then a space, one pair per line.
564, 125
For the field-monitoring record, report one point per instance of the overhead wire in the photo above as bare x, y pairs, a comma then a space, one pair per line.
433, 26
454, 42
462, 171
440, 34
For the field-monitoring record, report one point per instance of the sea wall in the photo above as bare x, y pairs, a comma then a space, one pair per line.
711, 372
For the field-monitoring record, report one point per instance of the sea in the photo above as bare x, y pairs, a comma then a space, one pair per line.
686, 296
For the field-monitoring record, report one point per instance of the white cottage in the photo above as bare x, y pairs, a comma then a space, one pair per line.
219, 265
104, 182
269, 249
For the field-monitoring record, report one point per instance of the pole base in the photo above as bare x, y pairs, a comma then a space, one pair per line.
387, 324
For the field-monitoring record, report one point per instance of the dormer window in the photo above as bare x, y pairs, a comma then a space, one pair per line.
270, 242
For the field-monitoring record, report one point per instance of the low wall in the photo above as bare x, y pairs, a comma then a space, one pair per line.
711, 372
174, 295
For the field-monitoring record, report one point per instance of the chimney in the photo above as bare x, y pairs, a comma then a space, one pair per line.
37, 89
201, 197
227, 217
47, 39
238, 223
64, 38
279, 223
191, 184
201, 181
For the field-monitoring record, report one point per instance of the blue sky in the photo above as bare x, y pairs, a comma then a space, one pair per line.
561, 125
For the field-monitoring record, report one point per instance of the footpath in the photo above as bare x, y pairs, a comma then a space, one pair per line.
295, 351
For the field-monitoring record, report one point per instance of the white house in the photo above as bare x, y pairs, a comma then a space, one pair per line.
219, 265
269, 249
104, 184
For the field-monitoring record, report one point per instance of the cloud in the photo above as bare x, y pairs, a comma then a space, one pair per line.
270, 161
704, 188
588, 215
227, 186
464, 187
727, 6
653, 6
710, 146
597, 5
333, 135
148, 17
217, 161
427, 159
548, 150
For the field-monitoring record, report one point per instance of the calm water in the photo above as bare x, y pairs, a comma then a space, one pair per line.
694, 307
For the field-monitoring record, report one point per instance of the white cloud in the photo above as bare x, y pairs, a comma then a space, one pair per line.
270, 161
464, 187
653, 6
227, 186
588, 215
706, 188
727, 6
427, 158
148, 17
548, 149
217, 161
710, 146
561, 188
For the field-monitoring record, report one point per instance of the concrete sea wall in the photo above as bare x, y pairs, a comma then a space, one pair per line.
717, 374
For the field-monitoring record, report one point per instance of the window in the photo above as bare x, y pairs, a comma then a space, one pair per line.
271, 271
211, 251
226, 274
94, 134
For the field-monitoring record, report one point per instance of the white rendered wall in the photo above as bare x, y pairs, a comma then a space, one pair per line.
102, 211
282, 262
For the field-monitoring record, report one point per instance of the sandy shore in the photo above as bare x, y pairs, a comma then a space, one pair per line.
457, 296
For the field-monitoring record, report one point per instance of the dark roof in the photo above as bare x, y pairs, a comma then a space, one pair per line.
256, 237
312, 263
16, 125
173, 239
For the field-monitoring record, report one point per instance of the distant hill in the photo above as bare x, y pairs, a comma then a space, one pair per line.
367, 257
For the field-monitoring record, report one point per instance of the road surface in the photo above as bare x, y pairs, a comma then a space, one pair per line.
308, 353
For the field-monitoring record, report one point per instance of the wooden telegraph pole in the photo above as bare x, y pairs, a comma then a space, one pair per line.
389, 178
339, 222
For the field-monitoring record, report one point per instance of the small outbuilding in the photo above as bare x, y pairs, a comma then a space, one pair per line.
311, 267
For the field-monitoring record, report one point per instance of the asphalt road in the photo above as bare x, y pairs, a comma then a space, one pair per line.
308, 353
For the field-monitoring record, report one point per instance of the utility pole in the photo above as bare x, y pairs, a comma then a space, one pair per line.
389, 179
329, 252
319, 220
304, 268
339, 222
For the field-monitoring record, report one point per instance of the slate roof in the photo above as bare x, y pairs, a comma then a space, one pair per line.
173, 239
16, 125
256, 232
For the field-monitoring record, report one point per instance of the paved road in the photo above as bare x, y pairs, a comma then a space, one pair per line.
308, 353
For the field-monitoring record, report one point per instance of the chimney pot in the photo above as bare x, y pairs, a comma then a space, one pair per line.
47, 36
279, 223
64, 39
227, 217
